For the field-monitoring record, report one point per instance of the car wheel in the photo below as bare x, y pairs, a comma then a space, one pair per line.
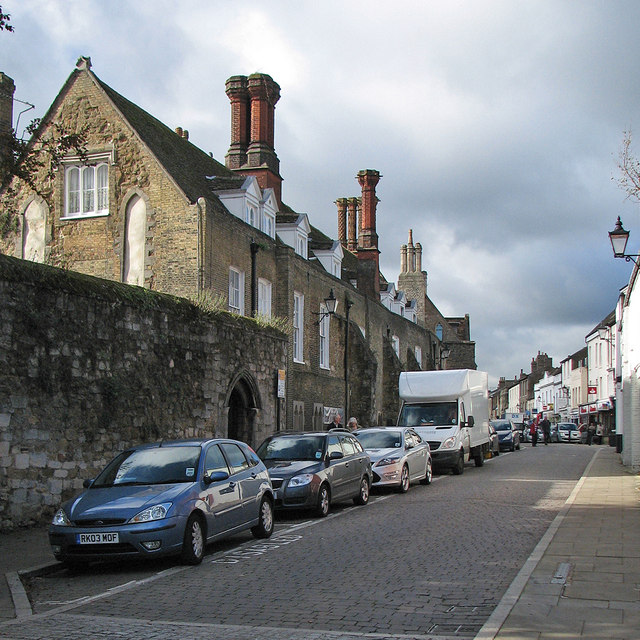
459, 468
264, 528
479, 459
513, 447
194, 541
428, 476
324, 500
404, 480
363, 496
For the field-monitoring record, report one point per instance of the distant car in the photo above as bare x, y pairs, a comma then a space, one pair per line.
398, 455
494, 441
312, 470
166, 498
508, 434
569, 432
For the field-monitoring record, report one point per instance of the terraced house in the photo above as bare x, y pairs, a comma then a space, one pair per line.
140, 204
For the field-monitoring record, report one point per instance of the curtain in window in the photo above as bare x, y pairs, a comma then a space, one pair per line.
88, 193
73, 191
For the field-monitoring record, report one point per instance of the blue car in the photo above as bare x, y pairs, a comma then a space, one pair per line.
168, 498
508, 435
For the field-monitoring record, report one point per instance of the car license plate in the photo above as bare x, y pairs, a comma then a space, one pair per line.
97, 538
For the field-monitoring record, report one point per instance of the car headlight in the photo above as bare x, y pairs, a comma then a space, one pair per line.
61, 519
301, 480
157, 512
508, 436
449, 443
386, 461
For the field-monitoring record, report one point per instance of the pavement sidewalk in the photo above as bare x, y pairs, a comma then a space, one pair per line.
583, 578
581, 581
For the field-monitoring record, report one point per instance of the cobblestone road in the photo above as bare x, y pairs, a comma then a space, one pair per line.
433, 563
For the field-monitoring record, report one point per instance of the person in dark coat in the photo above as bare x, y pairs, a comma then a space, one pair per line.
546, 430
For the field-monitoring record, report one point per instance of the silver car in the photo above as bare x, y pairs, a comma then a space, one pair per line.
398, 455
568, 432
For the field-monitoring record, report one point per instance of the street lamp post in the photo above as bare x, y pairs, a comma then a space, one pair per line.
347, 306
331, 305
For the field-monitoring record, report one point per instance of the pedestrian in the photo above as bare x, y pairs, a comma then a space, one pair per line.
591, 429
337, 418
352, 425
546, 430
533, 432
599, 432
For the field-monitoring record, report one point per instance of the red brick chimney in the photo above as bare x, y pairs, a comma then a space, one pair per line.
352, 223
236, 89
342, 221
252, 152
368, 254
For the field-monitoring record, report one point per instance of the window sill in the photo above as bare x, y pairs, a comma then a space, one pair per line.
101, 214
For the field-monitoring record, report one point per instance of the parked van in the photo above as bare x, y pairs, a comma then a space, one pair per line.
450, 410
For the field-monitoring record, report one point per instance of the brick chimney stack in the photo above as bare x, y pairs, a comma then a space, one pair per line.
252, 152
368, 254
352, 221
342, 221
236, 89
7, 89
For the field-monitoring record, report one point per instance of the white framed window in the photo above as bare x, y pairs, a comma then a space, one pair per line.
264, 297
418, 353
268, 225
395, 341
252, 216
86, 190
298, 327
323, 326
236, 291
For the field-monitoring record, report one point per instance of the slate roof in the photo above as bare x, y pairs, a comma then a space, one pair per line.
188, 165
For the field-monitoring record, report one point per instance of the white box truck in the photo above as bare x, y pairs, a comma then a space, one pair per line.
450, 410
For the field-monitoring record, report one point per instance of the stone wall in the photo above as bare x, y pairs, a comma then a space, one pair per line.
89, 366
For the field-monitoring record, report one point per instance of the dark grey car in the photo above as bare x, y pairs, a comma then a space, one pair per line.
311, 470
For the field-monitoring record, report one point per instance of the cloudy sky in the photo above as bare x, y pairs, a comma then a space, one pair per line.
496, 125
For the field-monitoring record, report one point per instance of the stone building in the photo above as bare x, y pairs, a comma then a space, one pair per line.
142, 205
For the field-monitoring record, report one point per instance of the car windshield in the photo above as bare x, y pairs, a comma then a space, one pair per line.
425, 415
380, 439
293, 448
567, 427
501, 426
161, 465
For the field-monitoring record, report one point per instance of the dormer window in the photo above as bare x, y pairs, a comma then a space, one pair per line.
296, 234
331, 259
252, 215
302, 246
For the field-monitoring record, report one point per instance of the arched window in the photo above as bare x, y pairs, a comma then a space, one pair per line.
33, 232
134, 245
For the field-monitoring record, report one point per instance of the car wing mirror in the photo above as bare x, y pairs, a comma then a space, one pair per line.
87, 483
215, 476
470, 421
336, 455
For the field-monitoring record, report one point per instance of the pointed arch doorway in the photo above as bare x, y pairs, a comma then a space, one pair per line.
243, 404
